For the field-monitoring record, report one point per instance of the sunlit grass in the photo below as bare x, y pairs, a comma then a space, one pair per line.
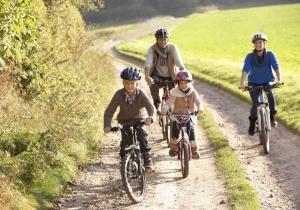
240, 191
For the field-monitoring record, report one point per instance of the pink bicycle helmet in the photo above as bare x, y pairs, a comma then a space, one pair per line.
184, 76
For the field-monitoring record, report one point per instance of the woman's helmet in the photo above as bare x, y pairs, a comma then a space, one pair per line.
184, 76
130, 73
161, 33
259, 36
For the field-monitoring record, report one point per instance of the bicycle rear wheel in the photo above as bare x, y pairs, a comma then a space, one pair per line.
264, 132
184, 158
166, 129
133, 177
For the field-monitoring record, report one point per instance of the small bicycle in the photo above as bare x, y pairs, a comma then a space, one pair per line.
132, 166
184, 151
263, 124
165, 121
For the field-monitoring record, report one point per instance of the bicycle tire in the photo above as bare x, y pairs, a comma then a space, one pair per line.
165, 129
184, 158
130, 165
170, 124
264, 133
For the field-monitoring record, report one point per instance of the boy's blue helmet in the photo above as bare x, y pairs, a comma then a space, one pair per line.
130, 73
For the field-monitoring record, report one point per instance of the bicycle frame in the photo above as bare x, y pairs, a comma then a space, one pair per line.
183, 133
263, 114
132, 167
134, 145
183, 139
164, 121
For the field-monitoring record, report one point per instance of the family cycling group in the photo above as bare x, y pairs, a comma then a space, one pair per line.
164, 63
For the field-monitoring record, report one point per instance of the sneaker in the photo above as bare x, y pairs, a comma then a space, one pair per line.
149, 168
195, 152
173, 148
274, 123
172, 153
273, 120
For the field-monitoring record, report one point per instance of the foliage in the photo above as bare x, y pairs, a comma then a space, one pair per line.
52, 94
89, 5
18, 40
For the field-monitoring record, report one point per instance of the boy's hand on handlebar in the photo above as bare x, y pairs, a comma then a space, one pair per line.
149, 80
148, 121
107, 130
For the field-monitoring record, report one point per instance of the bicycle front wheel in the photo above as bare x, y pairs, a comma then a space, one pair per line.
264, 131
184, 158
133, 177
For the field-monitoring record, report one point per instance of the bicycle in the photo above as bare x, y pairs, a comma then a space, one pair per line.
184, 150
165, 121
263, 124
132, 166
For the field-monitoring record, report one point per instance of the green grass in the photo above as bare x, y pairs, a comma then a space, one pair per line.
214, 45
101, 35
239, 189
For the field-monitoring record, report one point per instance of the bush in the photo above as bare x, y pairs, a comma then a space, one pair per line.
51, 100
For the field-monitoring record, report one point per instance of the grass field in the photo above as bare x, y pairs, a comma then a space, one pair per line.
100, 34
103, 34
214, 45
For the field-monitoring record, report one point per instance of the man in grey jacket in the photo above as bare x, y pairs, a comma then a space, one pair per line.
162, 63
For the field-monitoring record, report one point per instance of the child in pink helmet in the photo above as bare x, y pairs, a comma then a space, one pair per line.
185, 100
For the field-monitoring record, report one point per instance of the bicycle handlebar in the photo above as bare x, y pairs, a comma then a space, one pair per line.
185, 115
162, 82
259, 87
120, 126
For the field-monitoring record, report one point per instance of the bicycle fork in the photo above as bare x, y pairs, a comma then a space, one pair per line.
180, 146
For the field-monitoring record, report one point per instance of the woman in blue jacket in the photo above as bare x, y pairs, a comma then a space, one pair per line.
258, 68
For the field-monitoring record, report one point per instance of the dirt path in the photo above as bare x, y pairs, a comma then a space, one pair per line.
100, 186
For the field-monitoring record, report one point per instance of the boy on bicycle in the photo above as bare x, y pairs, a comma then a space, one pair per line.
162, 63
258, 67
184, 98
131, 100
